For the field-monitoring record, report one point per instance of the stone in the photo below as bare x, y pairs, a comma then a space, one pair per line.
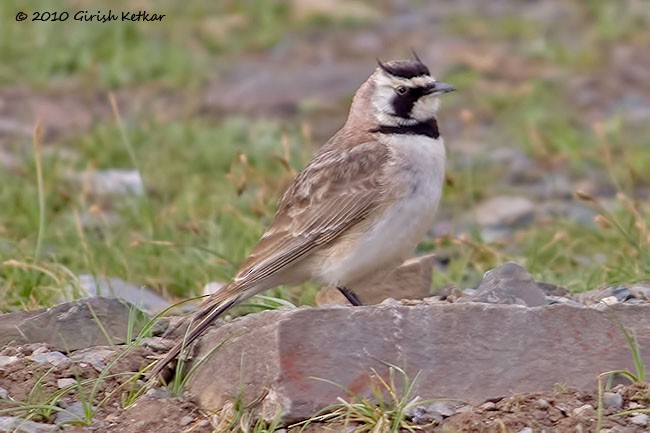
612, 400
158, 344
186, 420
4, 394
436, 411
72, 325
640, 291
40, 348
488, 405
586, 410
111, 182
508, 284
93, 356
158, 393
640, 419
411, 280
74, 412
504, 211
609, 295
12, 424
526, 430
66, 382
141, 297
7, 360
298, 361
55, 358
610, 300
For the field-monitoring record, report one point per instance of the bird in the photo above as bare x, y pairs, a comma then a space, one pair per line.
359, 208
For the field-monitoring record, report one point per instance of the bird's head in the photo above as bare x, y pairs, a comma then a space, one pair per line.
405, 93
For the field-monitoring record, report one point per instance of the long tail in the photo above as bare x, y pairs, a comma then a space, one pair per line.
206, 315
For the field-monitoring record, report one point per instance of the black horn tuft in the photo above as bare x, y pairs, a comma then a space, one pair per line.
415, 56
382, 65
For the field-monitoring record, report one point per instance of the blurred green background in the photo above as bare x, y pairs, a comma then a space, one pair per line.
218, 105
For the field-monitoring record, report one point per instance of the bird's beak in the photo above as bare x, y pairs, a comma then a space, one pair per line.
439, 88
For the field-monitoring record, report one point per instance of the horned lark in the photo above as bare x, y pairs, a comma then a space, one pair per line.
360, 207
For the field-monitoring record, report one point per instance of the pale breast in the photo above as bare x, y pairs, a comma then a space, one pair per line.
415, 176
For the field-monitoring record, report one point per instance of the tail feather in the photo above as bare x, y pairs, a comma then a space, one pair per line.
208, 314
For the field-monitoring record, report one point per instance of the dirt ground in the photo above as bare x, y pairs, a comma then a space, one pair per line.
558, 410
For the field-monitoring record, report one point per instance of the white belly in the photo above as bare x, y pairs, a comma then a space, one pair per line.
392, 237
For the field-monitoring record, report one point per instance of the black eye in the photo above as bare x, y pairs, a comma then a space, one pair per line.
401, 90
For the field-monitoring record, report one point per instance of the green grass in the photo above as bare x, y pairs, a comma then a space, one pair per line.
184, 50
211, 185
199, 214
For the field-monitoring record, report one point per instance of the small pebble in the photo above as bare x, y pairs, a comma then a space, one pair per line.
41, 348
542, 404
94, 356
55, 358
7, 360
158, 393
158, 344
584, 410
112, 417
4, 394
641, 291
640, 419
65, 382
610, 300
526, 430
186, 420
488, 406
613, 400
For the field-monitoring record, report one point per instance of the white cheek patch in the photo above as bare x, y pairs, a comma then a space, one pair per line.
425, 108
381, 99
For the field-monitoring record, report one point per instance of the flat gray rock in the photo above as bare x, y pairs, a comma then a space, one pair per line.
72, 325
55, 358
290, 359
12, 424
509, 284
94, 356
74, 412
141, 297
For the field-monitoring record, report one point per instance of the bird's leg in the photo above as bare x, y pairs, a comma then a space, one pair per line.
350, 296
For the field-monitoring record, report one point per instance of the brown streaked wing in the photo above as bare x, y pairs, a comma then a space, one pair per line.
335, 191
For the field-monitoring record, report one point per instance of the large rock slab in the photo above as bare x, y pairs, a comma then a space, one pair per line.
468, 351
73, 325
